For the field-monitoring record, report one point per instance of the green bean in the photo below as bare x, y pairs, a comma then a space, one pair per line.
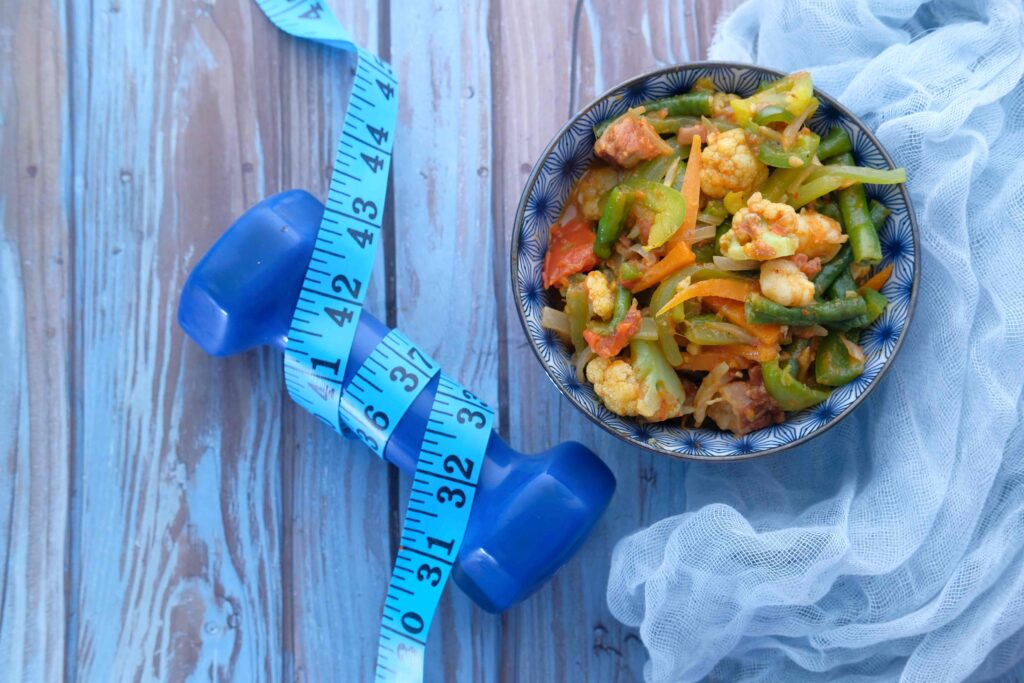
831, 209
782, 181
623, 300
832, 270
671, 124
879, 212
758, 309
618, 204
687, 104
857, 220
875, 303
836, 142
843, 286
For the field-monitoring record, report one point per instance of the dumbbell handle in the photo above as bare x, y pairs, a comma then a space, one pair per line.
531, 512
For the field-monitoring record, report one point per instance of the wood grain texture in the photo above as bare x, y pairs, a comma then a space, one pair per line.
444, 272
35, 388
176, 557
337, 527
168, 516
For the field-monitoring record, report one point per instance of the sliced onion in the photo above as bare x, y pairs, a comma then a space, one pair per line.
809, 331
704, 232
793, 127
708, 389
647, 256
738, 334
580, 361
555, 320
855, 351
670, 174
726, 263
568, 213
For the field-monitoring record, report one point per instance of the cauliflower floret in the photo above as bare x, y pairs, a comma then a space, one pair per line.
729, 165
646, 385
615, 384
602, 300
762, 231
783, 282
720, 107
819, 235
594, 185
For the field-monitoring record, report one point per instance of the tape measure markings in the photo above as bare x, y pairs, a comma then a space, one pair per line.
459, 424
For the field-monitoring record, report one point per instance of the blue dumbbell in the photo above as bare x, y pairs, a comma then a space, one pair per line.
531, 512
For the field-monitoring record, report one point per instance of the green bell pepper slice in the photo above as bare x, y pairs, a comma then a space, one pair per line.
834, 366
798, 156
577, 309
787, 391
667, 204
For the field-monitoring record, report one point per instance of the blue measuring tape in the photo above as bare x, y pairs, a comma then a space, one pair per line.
397, 371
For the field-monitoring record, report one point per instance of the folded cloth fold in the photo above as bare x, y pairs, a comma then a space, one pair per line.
892, 547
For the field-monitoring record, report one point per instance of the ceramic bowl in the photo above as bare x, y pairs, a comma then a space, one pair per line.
565, 160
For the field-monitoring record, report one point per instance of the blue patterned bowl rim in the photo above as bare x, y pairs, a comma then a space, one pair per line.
712, 444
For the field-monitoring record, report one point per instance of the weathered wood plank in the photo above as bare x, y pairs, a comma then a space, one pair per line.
444, 271
338, 556
565, 632
35, 386
177, 553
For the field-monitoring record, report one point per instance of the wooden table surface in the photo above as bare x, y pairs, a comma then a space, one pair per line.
166, 515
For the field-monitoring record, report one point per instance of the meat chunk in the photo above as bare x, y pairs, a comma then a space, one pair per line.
630, 140
745, 406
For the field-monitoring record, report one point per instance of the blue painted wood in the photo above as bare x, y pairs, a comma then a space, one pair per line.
177, 516
444, 270
338, 526
164, 515
35, 338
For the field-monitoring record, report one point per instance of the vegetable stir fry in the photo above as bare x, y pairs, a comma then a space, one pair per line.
715, 262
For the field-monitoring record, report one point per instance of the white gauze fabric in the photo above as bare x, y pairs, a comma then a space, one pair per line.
892, 547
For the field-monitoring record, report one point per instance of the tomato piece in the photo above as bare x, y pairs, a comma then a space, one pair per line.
610, 346
570, 251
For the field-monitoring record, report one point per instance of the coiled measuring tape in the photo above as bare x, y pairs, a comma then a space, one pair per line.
397, 371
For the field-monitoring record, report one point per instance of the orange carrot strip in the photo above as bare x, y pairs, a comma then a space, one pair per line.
726, 289
760, 353
677, 258
732, 311
691, 193
878, 280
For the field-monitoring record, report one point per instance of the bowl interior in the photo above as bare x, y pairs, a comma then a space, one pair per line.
566, 159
